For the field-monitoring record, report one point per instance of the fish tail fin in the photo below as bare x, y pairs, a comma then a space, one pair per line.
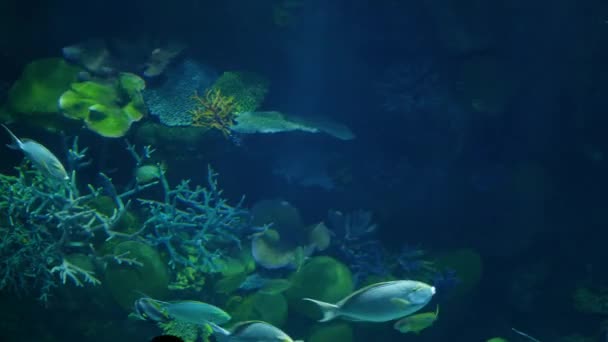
16, 142
217, 330
330, 311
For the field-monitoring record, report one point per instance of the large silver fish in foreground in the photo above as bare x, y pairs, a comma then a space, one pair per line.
40, 156
251, 331
379, 302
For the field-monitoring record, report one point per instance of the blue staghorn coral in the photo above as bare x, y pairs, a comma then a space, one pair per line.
51, 233
196, 226
45, 226
355, 244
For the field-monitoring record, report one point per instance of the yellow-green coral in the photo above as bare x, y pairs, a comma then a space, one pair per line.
188, 278
107, 107
40, 86
33, 97
187, 331
214, 110
247, 88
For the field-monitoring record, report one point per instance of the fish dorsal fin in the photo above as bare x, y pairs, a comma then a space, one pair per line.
185, 301
16, 142
364, 289
240, 326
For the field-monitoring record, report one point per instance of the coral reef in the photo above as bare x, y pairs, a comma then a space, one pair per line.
41, 83
33, 97
43, 223
284, 240
189, 332
195, 226
247, 88
355, 245
269, 122
214, 111
126, 283
107, 107
169, 100
322, 278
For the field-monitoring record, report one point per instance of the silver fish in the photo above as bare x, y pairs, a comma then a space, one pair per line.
192, 311
379, 302
150, 309
251, 331
40, 156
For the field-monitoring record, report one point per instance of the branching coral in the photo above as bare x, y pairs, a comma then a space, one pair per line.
196, 226
214, 111
43, 224
50, 232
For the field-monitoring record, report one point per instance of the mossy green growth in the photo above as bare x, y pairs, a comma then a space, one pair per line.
40, 85
591, 301
335, 331
127, 223
271, 308
188, 278
467, 264
321, 278
186, 331
126, 283
234, 270
107, 107
247, 88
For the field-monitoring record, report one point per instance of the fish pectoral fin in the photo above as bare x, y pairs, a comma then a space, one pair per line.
400, 302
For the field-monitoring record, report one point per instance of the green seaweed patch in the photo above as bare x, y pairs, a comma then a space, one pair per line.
322, 278
126, 282
271, 308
